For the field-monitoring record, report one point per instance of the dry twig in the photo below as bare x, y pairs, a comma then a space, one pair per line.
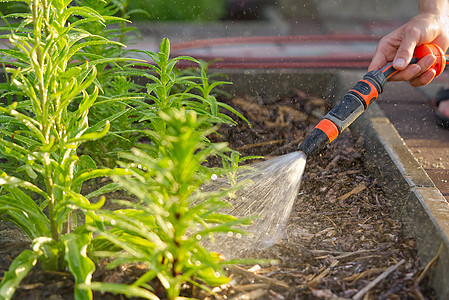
429, 266
373, 283
355, 190
249, 146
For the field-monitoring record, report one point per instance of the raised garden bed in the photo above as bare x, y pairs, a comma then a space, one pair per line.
345, 229
353, 232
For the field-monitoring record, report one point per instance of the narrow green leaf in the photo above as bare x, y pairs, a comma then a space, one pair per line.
81, 201
115, 60
234, 111
92, 136
88, 100
100, 173
209, 276
23, 211
19, 268
80, 11
12, 181
79, 264
120, 288
101, 123
80, 46
109, 188
164, 52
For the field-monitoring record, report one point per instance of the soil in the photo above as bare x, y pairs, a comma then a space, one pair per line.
340, 238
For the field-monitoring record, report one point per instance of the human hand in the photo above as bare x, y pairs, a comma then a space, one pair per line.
398, 46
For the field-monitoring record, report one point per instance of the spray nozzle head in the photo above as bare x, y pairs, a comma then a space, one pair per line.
315, 142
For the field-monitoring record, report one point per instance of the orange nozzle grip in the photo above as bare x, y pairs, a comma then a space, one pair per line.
435, 50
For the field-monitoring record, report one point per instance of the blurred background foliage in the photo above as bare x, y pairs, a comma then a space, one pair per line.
179, 10
12, 7
171, 10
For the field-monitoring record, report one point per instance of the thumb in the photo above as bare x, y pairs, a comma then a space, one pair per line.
404, 55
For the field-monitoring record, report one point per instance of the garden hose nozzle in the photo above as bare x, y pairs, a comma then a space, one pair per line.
358, 99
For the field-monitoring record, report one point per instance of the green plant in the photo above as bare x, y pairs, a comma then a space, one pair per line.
168, 88
55, 101
43, 136
233, 170
118, 94
164, 228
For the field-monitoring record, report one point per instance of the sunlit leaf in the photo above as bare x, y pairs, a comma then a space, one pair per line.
79, 264
18, 269
93, 135
120, 288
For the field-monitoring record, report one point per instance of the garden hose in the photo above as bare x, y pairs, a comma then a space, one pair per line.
358, 99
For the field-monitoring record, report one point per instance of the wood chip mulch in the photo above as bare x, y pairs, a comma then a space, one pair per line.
340, 242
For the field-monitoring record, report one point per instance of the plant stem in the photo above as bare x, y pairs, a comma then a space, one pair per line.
43, 93
51, 202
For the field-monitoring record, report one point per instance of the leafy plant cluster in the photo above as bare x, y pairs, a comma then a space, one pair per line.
71, 100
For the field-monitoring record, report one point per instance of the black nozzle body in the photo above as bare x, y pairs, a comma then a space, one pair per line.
350, 107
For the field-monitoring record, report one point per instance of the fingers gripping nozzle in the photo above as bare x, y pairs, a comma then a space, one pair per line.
350, 107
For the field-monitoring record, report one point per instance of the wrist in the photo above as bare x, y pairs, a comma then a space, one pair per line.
436, 7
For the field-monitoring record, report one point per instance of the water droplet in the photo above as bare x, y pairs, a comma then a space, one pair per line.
217, 274
214, 177
198, 237
113, 222
197, 263
238, 235
230, 234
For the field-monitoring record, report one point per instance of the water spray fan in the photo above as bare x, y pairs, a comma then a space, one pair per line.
358, 99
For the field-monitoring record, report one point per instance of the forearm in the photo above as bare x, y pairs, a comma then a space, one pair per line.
438, 7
